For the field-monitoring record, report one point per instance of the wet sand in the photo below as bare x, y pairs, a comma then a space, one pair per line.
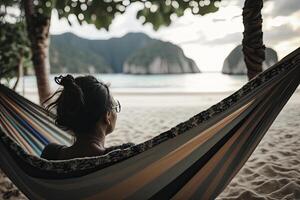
272, 171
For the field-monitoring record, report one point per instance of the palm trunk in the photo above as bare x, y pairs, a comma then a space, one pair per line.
253, 47
38, 31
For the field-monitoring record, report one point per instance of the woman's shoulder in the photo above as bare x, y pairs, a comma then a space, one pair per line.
51, 151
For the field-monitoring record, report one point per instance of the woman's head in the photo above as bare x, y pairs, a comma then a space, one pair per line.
83, 104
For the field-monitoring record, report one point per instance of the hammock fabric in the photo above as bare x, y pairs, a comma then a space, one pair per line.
194, 160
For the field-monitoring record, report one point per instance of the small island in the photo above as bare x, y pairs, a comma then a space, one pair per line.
234, 63
134, 53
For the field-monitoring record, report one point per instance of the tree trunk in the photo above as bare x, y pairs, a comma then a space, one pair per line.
38, 31
253, 47
19, 71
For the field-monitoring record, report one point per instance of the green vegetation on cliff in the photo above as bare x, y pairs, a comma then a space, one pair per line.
70, 53
160, 57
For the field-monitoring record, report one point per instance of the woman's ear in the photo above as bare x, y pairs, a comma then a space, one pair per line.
108, 118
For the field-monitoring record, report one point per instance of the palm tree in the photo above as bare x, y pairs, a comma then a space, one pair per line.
253, 47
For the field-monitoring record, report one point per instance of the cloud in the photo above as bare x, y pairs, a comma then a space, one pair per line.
279, 7
284, 7
273, 36
200, 40
281, 33
218, 20
228, 39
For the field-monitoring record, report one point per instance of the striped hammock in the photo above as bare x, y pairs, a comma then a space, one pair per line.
194, 160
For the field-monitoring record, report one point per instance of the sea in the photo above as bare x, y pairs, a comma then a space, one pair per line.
170, 83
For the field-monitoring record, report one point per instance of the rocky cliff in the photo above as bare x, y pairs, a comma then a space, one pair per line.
132, 53
160, 58
235, 64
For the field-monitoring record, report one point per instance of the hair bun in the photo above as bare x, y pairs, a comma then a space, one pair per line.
65, 80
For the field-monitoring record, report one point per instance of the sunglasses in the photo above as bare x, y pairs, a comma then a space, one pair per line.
116, 106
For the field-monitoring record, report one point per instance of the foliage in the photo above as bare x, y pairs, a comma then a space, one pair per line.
156, 12
102, 12
14, 48
160, 13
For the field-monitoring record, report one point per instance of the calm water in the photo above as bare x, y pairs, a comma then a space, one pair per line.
203, 82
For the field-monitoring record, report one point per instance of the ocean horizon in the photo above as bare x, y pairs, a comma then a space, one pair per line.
198, 82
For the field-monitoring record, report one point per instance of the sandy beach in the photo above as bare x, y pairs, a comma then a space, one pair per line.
272, 171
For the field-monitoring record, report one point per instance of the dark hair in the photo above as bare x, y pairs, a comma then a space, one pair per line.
81, 103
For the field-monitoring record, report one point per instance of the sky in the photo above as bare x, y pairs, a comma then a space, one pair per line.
206, 39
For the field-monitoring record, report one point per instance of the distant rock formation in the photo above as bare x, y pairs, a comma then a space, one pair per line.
70, 53
160, 58
235, 64
129, 54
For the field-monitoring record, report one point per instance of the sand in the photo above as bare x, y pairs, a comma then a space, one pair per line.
272, 171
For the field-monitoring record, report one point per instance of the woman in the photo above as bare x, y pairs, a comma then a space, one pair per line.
86, 108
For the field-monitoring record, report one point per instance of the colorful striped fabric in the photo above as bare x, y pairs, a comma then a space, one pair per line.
194, 160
